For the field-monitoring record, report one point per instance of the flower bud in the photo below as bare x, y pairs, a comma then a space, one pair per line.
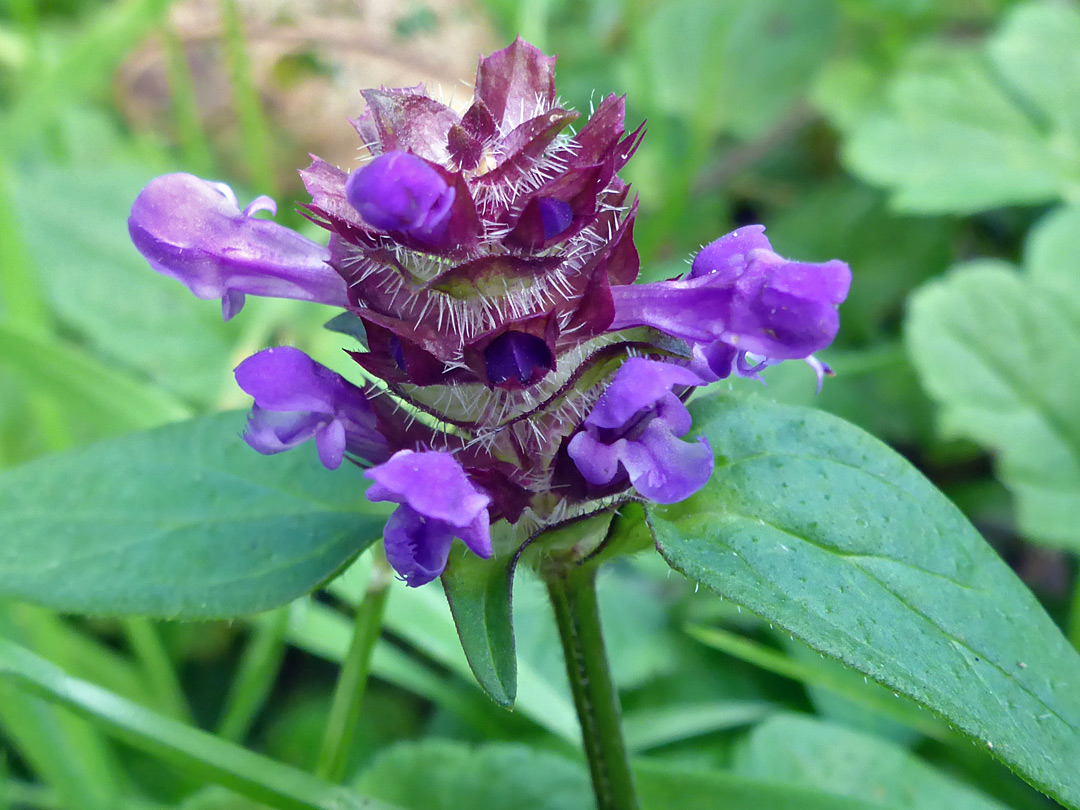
400, 192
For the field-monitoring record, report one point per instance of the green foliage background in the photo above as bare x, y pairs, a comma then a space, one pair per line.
935, 145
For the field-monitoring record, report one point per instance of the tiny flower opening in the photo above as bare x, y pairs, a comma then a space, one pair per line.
517, 357
557, 216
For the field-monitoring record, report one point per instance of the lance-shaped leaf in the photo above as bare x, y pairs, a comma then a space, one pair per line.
828, 533
185, 521
478, 591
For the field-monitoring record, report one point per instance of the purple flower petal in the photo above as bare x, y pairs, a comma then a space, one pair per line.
694, 310
743, 294
664, 468
636, 427
416, 547
639, 384
729, 252
297, 399
193, 230
431, 482
438, 503
400, 192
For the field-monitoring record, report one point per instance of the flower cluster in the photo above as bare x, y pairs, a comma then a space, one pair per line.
512, 370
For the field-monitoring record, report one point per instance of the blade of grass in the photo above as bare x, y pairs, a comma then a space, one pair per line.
196, 751
254, 130
352, 680
79, 653
255, 678
70, 375
193, 139
85, 68
63, 750
157, 667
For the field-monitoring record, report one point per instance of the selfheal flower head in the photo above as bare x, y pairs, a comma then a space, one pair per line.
438, 503
194, 231
297, 399
635, 429
484, 259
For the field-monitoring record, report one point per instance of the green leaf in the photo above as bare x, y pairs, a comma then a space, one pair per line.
185, 521
1037, 51
998, 351
444, 775
479, 595
804, 751
825, 531
970, 129
739, 65
664, 786
1050, 255
98, 285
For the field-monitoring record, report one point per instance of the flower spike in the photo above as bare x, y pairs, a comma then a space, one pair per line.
485, 264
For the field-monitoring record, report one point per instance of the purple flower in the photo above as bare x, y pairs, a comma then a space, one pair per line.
743, 295
637, 425
438, 503
400, 192
297, 399
194, 231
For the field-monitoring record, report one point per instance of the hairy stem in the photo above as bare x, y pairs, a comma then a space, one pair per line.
573, 598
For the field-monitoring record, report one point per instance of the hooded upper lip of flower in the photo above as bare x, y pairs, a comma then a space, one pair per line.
741, 292
194, 231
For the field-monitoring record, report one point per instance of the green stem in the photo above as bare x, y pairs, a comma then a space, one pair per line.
352, 681
577, 614
258, 670
157, 666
